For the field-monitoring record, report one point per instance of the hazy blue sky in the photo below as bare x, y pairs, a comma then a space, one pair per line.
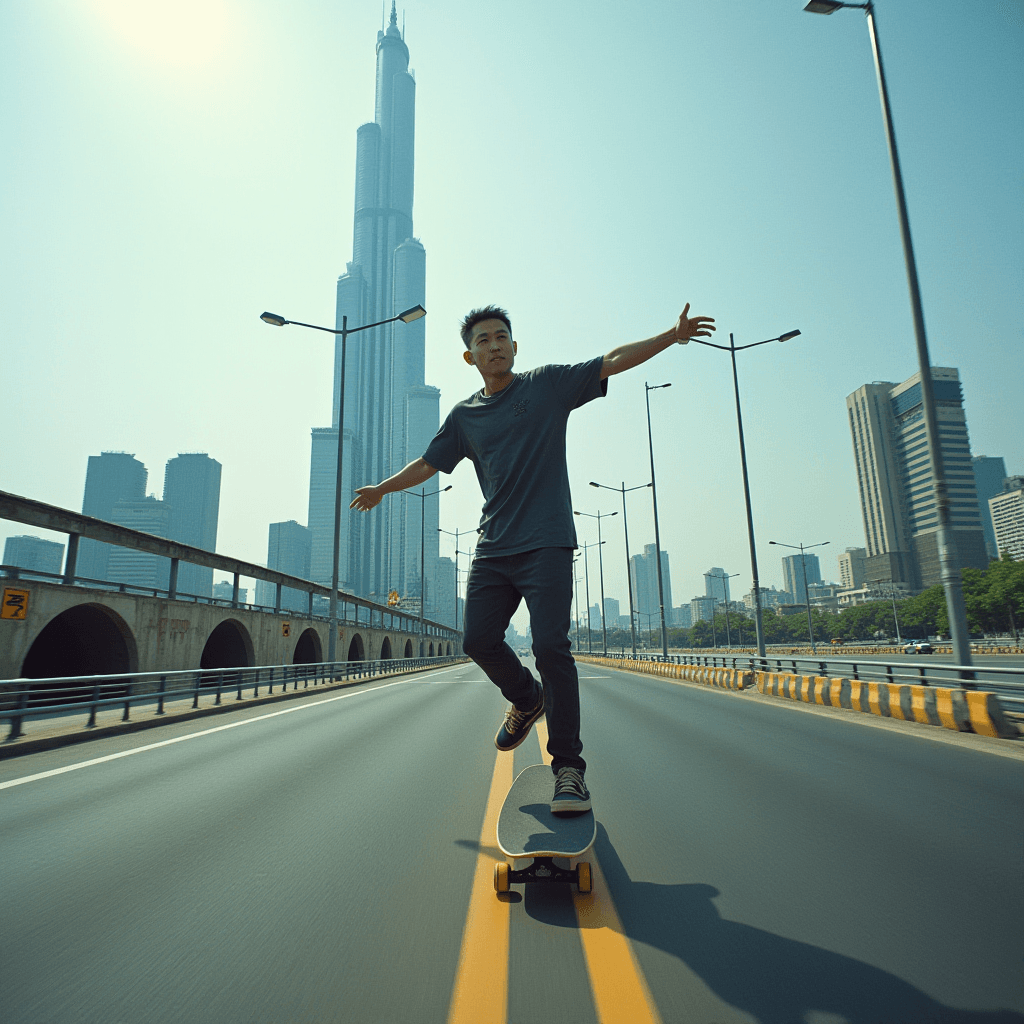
170, 170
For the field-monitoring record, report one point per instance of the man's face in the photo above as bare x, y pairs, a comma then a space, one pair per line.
491, 348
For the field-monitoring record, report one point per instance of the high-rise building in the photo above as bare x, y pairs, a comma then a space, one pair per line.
110, 477
192, 490
28, 552
895, 480
224, 591
288, 550
390, 414
989, 474
1007, 509
140, 568
611, 611
643, 572
683, 616
793, 574
702, 609
851, 568
595, 616
716, 583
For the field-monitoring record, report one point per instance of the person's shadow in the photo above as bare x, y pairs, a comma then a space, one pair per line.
774, 979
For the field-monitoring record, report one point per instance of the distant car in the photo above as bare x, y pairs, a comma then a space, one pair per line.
918, 647
838, 641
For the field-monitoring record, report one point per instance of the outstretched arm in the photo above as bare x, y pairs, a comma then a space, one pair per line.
417, 472
625, 357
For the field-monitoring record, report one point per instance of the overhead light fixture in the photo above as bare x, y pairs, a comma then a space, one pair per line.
273, 319
412, 314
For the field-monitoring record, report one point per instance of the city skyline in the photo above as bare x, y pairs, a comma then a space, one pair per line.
238, 155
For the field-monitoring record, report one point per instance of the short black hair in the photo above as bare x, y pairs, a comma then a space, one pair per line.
474, 316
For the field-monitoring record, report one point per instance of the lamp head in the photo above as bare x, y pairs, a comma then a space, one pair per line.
449, 487
273, 319
823, 7
412, 314
592, 484
789, 336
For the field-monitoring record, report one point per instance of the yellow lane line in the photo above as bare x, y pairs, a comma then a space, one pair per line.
621, 995
480, 995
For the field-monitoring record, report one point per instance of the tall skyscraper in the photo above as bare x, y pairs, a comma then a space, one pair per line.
793, 574
390, 414
989, 474
28, 552
895, 480
1008, 517
140, 568
110, 477
192, 492
714, 584
288, 550
643, 571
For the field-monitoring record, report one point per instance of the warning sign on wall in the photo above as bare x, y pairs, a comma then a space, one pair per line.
286, 629
15, 604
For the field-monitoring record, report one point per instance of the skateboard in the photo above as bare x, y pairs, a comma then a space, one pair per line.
527, 828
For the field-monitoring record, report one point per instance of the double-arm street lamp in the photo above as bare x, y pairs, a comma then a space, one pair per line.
949, 570
586, 575
807, 594
423, 543
648, 388
728, 629
600, 561
407, 316
624, 490
732, 349
457, 553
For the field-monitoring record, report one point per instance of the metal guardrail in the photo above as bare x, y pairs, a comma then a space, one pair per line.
1007, 683
18, 509
59, 695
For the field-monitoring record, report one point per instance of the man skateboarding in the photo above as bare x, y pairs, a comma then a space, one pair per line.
513, 431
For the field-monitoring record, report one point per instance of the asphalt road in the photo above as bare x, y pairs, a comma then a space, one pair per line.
321, 862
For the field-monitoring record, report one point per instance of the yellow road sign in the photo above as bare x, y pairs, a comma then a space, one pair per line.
286, 629
15, 604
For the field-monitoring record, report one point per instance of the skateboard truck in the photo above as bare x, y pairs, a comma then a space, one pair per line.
543, 869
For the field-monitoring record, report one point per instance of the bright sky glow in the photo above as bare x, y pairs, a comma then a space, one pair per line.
170, 170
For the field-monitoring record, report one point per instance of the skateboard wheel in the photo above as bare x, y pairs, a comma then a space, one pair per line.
583, 880
501, 877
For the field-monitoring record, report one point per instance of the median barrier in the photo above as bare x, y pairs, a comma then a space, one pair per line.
727, 678
960, 710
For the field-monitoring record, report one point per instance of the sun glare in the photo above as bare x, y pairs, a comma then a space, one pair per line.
186, 33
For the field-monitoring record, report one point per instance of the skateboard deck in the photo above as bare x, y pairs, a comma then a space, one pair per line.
527, 828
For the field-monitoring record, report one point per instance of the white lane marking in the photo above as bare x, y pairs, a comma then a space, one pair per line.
196, 735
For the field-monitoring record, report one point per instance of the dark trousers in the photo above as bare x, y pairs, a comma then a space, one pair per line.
543, 578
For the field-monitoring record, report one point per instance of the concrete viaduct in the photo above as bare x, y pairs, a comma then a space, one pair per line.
67, 626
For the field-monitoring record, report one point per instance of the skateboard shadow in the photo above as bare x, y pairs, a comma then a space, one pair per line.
774, 979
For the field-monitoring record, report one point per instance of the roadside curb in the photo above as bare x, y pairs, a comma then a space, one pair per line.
727, 678
31, 745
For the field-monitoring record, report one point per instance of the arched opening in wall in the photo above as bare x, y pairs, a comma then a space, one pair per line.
431, 654
309, 650
356, 651
385, 649
447, 650
228, 646
87, 640
408, 649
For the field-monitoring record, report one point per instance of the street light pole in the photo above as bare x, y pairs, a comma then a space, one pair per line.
728, 629
407, 316
732, 350
949, 571
423, 544
457, 553
586, 574
807, 596
624, 490
654, 497
600, 561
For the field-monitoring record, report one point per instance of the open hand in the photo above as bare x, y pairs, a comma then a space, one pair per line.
366, 498
696, 327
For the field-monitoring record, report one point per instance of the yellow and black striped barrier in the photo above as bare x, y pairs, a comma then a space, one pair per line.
960, 710
729, 678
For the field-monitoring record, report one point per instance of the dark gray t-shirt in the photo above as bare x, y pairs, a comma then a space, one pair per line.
516, 442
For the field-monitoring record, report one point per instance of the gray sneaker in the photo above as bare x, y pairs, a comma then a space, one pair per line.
571, 793
517, 725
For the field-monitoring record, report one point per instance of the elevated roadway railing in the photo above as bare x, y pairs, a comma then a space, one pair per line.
18, 509
88, 695
1007, 683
